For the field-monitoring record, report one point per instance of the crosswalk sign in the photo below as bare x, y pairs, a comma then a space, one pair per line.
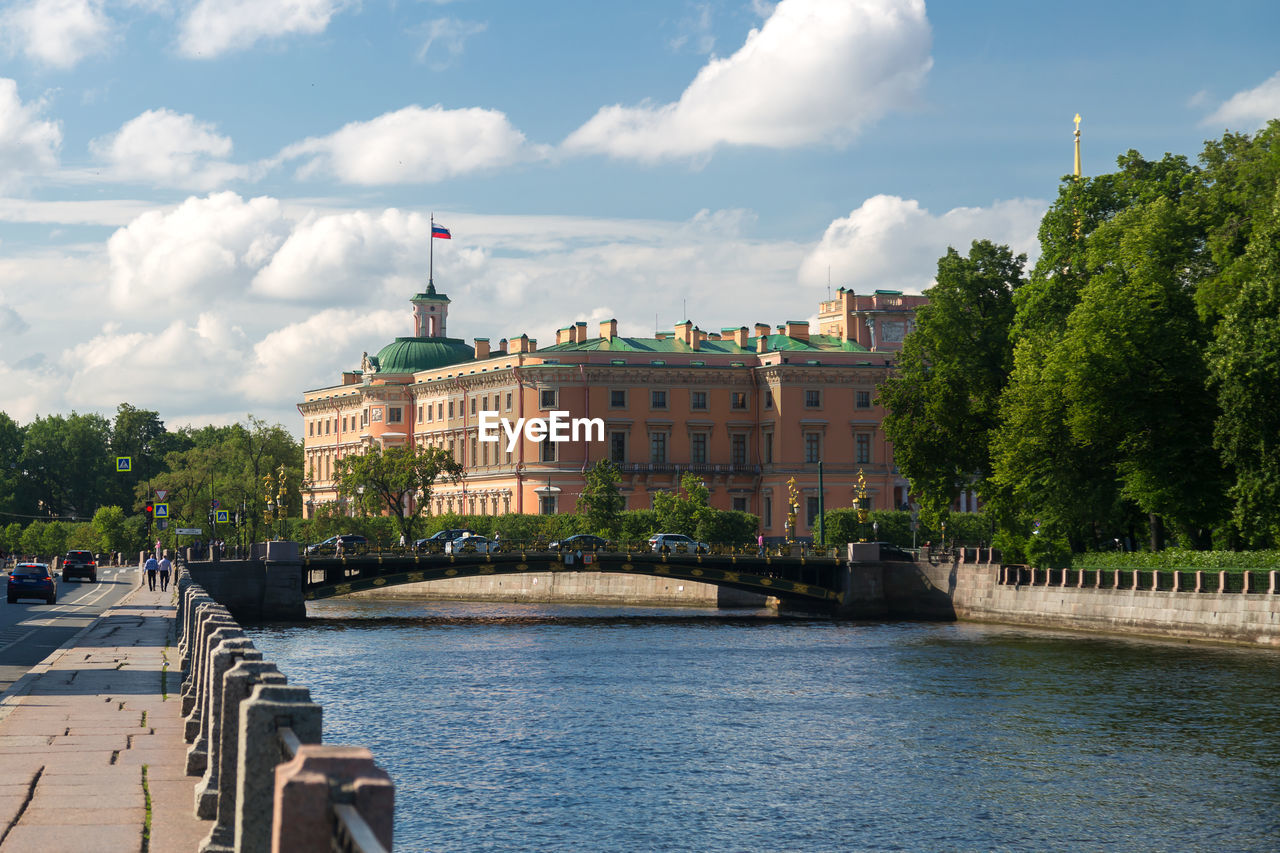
223, 516
124, 464
161, 510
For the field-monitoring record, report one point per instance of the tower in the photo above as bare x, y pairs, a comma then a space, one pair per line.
430, 311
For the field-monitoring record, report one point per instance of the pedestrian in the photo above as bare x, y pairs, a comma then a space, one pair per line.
760, 545
165, 566
151, 567
337, 547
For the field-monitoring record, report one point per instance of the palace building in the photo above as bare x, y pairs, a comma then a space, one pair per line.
744, 408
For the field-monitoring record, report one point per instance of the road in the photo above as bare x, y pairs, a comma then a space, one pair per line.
30, 631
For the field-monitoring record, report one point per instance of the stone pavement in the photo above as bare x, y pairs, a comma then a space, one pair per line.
92, 756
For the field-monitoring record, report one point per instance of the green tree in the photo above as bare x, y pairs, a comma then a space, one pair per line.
601, 502
1245, 362
11, 538
943, 400
53, 539
66, 462
33, 539
109, 526
14, 496
680, 511
397, 480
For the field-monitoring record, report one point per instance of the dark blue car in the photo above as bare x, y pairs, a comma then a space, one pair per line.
32, 580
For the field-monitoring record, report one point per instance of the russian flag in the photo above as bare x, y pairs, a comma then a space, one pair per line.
441, 232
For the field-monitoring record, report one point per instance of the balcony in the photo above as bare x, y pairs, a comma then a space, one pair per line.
685, 468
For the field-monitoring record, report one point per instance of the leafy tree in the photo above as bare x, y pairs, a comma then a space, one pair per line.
11, 538
727, 527
33, 538
1246, 369
396, 480
943, 400
140, 435
601, 502
678, 512
66, 461
109, 526
14, 496
54, 538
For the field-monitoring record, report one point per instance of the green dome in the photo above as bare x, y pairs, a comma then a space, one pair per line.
409, 355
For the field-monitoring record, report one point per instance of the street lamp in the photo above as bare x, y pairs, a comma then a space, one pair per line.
860, 501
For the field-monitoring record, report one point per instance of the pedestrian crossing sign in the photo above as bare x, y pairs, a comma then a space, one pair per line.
161, 510
124, 464
223, 516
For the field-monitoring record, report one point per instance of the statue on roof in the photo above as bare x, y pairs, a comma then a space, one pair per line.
364, 363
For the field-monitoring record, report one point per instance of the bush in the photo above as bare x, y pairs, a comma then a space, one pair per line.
726, 527
1179, 558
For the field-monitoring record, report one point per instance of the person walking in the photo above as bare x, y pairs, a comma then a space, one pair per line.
165, 566
151, 567
760, 545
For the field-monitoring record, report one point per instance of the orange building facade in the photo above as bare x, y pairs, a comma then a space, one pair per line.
744, 408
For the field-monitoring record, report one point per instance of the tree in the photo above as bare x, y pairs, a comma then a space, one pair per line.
679, 512
109, 526
601, 501
33, 539
13, 494
66, 462
1245, 361
943, 400
53, 539
396, 480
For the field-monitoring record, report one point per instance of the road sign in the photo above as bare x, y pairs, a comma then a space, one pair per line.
162, 523
161, 494
161, 510
223, 516
188, 531
124, 464
214, 503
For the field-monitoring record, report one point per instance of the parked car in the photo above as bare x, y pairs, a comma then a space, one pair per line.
80, 564
437, 541
350, 542
580, 542
32, 580
677, 543
471, 544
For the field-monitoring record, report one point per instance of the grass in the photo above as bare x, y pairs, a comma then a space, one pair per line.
146, 825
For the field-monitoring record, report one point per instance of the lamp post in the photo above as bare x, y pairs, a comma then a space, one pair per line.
860, 502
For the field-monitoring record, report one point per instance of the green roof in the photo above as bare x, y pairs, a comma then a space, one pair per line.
815, 343
410, 355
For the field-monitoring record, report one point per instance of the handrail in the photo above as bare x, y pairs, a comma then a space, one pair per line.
351, 833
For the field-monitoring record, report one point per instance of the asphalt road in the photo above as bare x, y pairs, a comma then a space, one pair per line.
31, 630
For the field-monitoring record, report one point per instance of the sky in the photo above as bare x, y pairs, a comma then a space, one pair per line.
208, 207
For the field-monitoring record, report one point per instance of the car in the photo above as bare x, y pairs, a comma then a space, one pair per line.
471, 544
580, 542
32, 580
437, 541
350, 542
676, 543
80, 564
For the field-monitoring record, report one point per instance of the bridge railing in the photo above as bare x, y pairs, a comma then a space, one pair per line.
485, 545
268, 783
1247, 581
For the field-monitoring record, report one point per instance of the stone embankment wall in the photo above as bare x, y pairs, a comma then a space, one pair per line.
1057, 600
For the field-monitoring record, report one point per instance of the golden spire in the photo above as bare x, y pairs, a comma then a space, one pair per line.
1077, 171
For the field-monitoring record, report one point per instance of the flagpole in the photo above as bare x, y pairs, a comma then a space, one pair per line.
431, 252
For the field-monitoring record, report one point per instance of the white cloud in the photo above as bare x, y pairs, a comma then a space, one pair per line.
11, 322
28, 143
206, 249
168, 149
414, 145
444, 40
893, 243
816, 72
59, 33
215, 27
1250, 109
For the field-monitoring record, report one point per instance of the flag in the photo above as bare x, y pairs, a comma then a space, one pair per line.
441, 232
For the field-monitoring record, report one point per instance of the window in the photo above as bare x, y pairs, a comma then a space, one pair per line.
811, 512
768, 399
813, 447
431, 410
547, 451
475, 452
484, 454
657, 447
738, 400
738, 449
327, 426
812, 399
766, 513
863, 448
311, 427
657, 399
697, 400
547, 398
419, 414
767, 448
617, 398
440, 411
364, 418
739, 504
450, 409
864, 399
618, 446
473, 407
395, 415
547, 504
698, 448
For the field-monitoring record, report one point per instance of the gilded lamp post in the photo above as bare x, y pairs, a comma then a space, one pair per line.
793, 504
860, 503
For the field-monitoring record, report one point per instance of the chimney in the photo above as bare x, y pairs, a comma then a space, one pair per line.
740, 336
502, 346
762, 330
482, 348
520, 344
579, 333
695, 343
798, 329
609, 329
565, 335
762, 343
684, 331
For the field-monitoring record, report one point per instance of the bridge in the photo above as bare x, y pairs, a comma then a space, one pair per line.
797, 580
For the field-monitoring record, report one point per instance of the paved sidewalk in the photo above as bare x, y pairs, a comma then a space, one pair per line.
91, 750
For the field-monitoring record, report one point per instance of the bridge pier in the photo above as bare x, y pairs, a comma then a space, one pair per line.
257, 590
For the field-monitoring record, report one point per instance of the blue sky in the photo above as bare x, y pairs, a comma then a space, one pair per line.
208, 207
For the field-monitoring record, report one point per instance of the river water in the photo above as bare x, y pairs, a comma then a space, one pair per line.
553, 728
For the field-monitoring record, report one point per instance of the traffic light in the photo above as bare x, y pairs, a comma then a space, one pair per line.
149, 509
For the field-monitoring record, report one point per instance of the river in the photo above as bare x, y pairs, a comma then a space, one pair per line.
552, 728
